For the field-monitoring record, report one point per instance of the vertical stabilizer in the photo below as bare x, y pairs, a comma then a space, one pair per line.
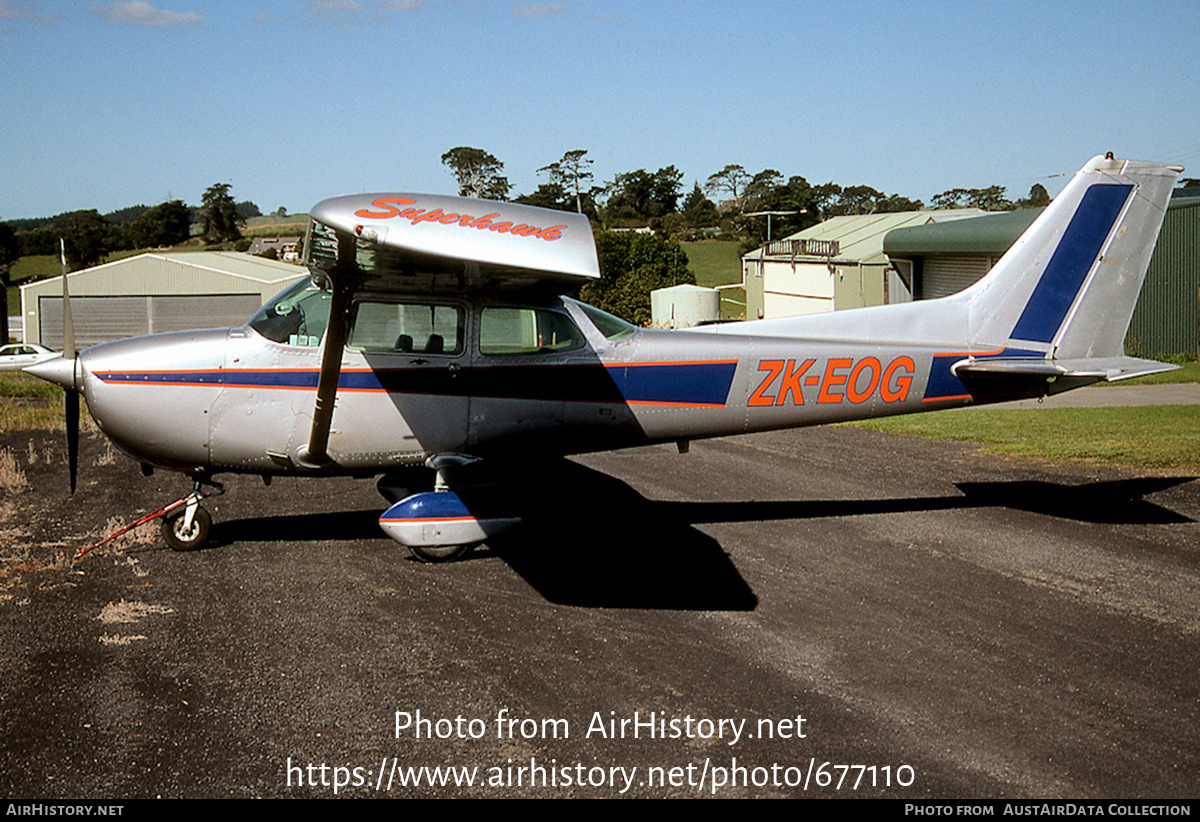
1067, 289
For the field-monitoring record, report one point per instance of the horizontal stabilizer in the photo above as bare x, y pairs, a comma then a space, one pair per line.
1005, 378
1099, 368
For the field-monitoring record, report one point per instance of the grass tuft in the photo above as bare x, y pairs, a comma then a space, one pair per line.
129, 612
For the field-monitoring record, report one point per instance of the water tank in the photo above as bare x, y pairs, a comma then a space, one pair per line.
683, 306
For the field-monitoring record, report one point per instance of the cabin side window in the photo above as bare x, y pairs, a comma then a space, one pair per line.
407, 328
295, 316
527, 331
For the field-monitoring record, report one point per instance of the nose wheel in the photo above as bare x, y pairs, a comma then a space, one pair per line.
439, 553
186, 525
182, 535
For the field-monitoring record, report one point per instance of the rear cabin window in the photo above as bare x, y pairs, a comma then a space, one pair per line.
507, 331
407, 328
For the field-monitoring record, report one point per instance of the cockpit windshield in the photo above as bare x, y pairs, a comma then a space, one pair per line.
295, 316
613, 328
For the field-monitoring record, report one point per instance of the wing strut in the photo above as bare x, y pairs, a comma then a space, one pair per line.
344, 278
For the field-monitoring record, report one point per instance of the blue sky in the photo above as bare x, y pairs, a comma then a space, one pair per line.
109, 104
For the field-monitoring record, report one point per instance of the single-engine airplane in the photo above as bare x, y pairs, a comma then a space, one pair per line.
430, 337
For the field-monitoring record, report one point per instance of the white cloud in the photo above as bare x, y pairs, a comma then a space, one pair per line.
25, 10
532, 10
141, 13
352, 13
332, 6
264, 19
402, 5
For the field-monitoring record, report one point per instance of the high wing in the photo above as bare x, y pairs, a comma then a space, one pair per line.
406, 235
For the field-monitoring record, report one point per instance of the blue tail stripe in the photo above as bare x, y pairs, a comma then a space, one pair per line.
1071, 262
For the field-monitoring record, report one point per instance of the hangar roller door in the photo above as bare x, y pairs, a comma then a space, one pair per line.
943, 276
101, 319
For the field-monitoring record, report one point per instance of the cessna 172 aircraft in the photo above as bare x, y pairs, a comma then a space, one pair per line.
431, 337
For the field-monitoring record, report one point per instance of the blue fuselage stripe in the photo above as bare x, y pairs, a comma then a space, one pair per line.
942, 382
700, 383
691, 383
1072, 260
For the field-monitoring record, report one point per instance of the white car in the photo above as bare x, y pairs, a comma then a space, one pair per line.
18, 355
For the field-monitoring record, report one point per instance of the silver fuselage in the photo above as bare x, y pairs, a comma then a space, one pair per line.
230, 400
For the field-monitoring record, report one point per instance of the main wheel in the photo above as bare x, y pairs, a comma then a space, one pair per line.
439, 553
179, 539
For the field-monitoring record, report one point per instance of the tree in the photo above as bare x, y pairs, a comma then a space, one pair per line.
631, 266
732, 179
1038, 197
639, 196
86, 236
989, 199
768, 192
166, 224
572, 174
698, 211
759, 189
826, 197
478, 173
548, 195
832, 200
218, 215
124, 216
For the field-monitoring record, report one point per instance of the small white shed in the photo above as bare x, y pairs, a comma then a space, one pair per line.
683, 306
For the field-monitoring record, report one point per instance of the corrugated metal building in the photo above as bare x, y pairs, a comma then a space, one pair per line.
833, 265
945, 258
154, 292
1167, 317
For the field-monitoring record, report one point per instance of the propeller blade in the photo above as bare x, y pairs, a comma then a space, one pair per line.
71, 395
72, 407
68, 325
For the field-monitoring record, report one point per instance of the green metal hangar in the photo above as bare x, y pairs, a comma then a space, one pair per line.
152, 293
942, 258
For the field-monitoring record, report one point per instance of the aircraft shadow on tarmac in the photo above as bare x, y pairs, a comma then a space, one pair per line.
587, 540
593, 541
1112, 502
590, 540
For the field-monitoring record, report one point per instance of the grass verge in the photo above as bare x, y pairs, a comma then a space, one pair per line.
719, 262
29, 404
1159, 437
1187, 372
